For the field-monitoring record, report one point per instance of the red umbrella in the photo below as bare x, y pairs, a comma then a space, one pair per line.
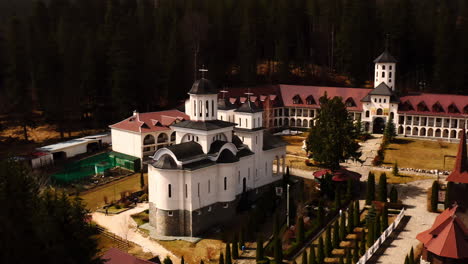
339, 175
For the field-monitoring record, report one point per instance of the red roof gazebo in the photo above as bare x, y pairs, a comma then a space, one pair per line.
339, 175
447, 240
460, 172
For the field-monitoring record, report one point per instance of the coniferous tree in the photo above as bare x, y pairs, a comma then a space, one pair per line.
182, 261
278, 251
370, 188
228, 259
300, 233
221, 258
320, 252
343, 226
434, 196
382, 195
328, 242
377, 228
370, 234
333, 125
350, 218
362, 247
320, 214
357, 213
341, 260
312, 257
235, 248
337, 199
259, 250
407, 260
336, 234
356, 251
167, 260
448, 190
390, 131
393, 195
411, 256
384, 219
395, 170
349, 257
201, 261
304, 257
349, 189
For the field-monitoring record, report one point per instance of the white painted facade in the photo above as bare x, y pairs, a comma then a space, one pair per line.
385, 72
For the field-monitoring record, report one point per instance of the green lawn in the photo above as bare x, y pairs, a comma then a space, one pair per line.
421, 154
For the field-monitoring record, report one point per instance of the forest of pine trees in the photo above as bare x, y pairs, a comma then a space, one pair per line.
91, 62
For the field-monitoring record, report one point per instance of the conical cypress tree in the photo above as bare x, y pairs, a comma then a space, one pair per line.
448, 190
411, 256
182, 261
259, 250
377, 228
341, 260
343, 226
384, 219
337, 199
407, 260
434, 196
383, 187
304, 257
221, 258
370, 188
328, 243
350, 226
300, 231
349, 258
241, 238
349, 189
370, 234
362, 247
356, 251
201, 262
278, 251
336, 234
312, 257
320, 252
393, 195
235, 248
356, 215
228, 259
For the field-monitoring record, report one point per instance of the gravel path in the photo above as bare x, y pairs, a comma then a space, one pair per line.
418, 219
123, 226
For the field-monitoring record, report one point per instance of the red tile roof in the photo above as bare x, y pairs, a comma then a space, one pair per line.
115, 256
259, 95
460, 172
151, 122
289, 91
448, 236
459, 102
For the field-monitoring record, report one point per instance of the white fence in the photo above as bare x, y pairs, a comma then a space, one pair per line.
381, 239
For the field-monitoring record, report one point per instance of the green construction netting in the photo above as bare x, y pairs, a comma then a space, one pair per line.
97, 164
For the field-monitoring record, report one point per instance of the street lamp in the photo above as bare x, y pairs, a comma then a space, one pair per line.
287, 205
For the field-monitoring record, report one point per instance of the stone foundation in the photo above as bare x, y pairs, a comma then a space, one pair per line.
187, 223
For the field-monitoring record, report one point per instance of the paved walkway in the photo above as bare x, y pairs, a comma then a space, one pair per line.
413, 195
123, 226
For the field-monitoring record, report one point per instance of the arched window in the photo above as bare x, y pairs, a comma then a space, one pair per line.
169, 190
173, 136
162, 138
367, 113
148, 140
379, 111
392, 115
209, 186
225, 183
200, 107
195, 107
207, 108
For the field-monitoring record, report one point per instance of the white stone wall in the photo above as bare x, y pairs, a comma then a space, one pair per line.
385, 72
430, 126
202, 107
127, 142
248, 120
226, 115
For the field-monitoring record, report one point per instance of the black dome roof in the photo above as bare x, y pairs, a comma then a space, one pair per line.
227, 156
165, 162
203, 86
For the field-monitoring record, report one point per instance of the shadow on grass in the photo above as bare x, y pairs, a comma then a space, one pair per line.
389, 242
402, 141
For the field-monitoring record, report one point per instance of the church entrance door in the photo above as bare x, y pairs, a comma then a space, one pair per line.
244, 185
378, 126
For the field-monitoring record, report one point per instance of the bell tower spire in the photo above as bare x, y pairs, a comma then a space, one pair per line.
385, 68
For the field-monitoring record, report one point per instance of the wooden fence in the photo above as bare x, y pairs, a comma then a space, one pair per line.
119, 242
381, 239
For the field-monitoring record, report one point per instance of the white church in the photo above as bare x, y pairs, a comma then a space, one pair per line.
219, 153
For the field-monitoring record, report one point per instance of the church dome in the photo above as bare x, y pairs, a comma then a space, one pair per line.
203, 86
165, 162
227, 156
